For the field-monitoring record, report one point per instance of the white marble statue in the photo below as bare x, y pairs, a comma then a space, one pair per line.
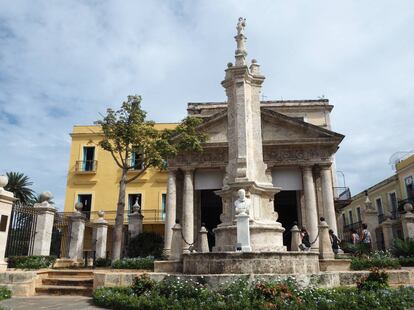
240, 25
242, 204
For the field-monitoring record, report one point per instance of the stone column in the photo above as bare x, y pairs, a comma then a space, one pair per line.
188, 210
204, 248
371, 219
6, 204
407, 221
310, 205
328, 198
325, 246
101, 232
170, 211
77, 233
176, 243
387, 232
44, 225
135, 221
296, 239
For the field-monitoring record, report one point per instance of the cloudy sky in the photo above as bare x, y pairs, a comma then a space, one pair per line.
64, 62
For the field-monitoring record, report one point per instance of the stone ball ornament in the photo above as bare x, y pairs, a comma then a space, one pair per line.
101, 213
4, 180
78, 206
45, 196
408, 207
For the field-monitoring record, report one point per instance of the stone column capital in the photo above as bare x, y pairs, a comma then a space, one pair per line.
325, 167
187, 170
307, 168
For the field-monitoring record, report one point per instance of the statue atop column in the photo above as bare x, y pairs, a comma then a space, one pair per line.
241, 52
240, 26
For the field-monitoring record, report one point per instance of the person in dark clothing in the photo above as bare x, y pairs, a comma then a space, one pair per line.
334, 241
305, 240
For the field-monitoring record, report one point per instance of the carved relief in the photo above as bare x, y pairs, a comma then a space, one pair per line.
216, 156
296, 155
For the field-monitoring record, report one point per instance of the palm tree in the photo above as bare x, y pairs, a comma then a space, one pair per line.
19, 184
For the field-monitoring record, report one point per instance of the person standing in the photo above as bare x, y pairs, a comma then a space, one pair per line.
305, 245
355, 237
366, 237
334, 241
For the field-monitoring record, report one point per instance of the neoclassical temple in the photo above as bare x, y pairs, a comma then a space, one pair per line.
281, 152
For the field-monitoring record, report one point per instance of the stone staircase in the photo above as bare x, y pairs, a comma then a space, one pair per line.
65, 282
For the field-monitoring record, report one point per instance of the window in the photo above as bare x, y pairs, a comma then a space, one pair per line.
409, 187
137, 160
132, 198
163, 205
392, 198
343, 219
359, 214
88, 158
380, 209
351, 221
86, 200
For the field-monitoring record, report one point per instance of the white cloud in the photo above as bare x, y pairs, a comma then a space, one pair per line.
63, 62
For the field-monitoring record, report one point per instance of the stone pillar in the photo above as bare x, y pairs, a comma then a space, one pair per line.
204, 248
387, 232
243, 232
188, 210
176, 243
44, 225
6, 204
101, 232
310, 205
407, 222
77, 233
371, 219
135, 220
296, 238
170, 215
325, 246
328, 198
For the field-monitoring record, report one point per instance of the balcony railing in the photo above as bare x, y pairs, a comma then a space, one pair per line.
342, 193
86, 166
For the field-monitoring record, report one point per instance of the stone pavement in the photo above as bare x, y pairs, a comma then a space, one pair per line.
49, 302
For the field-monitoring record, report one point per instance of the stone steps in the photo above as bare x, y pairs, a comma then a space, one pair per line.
66, 282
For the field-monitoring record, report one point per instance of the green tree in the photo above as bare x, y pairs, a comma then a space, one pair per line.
127, 132
19, 184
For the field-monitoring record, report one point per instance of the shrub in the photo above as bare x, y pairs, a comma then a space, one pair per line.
375, 280
143, 284
406, 261
134, 263
379, 259
5, 293
403, 248
30, 262
146, 244
103, 262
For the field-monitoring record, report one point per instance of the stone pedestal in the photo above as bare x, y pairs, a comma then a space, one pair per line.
371, 219
203, 248
387, 233
407, 222
243, 232
6, 203
76, 236
325, 246
135, 221
296, 238
176, 243
100, 232
44, 227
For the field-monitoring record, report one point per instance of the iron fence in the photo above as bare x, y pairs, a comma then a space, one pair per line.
22, 230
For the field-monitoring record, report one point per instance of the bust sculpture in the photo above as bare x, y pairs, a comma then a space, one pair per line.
242, 203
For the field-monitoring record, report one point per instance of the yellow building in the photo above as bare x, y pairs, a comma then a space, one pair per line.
93, 179
387, 197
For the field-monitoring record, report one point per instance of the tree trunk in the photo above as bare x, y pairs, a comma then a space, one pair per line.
119, 220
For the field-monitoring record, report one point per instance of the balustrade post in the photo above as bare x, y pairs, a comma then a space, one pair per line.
45, 212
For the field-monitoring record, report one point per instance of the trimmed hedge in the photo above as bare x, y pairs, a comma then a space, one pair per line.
371, 262
103, 262
5, 293
134, 263
30, 262
406, 261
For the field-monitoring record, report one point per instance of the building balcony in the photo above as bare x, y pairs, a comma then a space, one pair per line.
342, 197
86, 166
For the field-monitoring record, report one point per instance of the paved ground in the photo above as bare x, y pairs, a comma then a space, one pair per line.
49, 302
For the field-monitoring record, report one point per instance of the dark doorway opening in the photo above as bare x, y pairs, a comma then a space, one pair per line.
86, 200
211, 208
286, 206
